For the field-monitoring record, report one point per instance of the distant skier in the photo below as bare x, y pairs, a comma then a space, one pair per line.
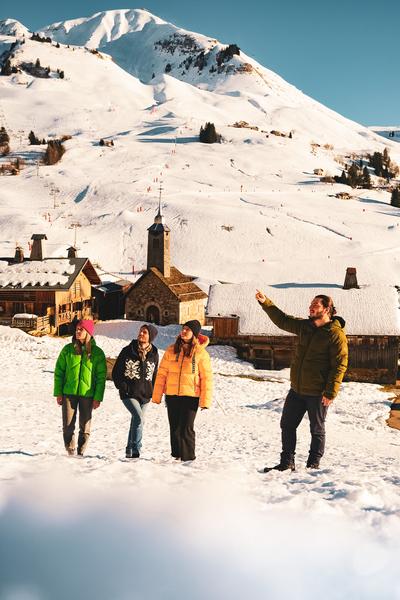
185, 377
134, 374
316, 373
79, 382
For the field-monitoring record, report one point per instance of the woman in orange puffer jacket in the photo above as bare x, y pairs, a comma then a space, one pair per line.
185, 377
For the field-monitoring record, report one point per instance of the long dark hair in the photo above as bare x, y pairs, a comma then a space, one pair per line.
187, 347
327, 302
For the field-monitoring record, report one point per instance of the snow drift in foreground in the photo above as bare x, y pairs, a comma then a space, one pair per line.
129, 544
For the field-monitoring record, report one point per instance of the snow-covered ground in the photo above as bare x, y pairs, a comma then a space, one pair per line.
215, 528
249, 209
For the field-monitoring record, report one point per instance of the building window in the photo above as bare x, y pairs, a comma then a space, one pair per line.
166, 313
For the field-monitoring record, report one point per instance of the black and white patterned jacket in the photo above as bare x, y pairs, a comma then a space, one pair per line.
133, 377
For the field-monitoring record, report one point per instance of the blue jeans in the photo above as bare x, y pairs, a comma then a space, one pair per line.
137, 411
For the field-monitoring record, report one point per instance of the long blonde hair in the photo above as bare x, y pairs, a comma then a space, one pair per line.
87, 344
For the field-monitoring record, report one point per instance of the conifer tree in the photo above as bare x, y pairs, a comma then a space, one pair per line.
6, 69
395, 199
366, 179
353, 176
208, 134
33, 140
54, 152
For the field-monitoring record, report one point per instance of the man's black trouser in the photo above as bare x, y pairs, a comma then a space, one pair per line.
181, 415
296, 406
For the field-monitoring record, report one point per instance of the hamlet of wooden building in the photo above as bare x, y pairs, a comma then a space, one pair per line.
48, 294
163, 295
371, 313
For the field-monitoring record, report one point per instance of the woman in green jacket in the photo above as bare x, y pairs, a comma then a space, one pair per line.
79, 382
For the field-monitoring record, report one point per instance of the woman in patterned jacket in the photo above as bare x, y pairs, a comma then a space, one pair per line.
134, 374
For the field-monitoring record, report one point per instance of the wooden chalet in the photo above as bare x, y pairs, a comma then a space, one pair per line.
371, 314
164, 295
46, 294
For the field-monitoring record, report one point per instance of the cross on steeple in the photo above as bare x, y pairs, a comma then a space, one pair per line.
159, 199
159, 217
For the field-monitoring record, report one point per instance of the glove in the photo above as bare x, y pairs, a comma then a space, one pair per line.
123, 388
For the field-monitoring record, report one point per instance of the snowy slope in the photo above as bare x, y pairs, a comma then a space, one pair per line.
254, 197
146, 46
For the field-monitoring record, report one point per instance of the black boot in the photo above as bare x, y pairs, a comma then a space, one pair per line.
286, 464
312, 463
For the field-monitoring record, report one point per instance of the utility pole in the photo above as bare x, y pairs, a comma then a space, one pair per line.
75, 226
53, 192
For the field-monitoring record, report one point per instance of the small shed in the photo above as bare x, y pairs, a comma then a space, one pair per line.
372, 325
110, 299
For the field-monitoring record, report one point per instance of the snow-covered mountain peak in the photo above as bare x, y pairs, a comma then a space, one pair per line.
102, 27
12, 27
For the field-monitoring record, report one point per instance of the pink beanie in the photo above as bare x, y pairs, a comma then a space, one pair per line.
87, 324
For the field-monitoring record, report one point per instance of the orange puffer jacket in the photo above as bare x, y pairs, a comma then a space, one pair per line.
180, 375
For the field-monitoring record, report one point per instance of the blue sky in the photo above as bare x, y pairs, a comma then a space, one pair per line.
343, 53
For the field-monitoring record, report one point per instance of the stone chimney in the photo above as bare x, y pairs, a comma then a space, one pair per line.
72, 252
350, 281
37, 250
19, 255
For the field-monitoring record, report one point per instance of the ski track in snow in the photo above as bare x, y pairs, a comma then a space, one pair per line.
319, 225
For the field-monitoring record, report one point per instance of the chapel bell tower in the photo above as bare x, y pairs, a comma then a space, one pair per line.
158, 246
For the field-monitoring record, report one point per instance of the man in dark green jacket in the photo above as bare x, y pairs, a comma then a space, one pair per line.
79, 382
316, 372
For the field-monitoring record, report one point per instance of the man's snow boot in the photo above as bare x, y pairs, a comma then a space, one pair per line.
286, 464
312, 463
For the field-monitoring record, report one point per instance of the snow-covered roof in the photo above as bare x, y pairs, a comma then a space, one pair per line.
370, 310
47, 273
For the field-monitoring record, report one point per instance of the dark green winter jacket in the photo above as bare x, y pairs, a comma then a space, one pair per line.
321, 357
80, 375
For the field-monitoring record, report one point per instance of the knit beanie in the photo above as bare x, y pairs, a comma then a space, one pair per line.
194, 326
88, 325
152, 331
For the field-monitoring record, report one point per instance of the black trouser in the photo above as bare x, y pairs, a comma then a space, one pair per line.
181, 415
295, 407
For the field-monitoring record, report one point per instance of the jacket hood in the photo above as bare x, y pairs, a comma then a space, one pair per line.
203, 340
338, 322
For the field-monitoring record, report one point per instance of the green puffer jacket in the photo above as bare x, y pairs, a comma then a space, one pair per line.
78, 375
320, 361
